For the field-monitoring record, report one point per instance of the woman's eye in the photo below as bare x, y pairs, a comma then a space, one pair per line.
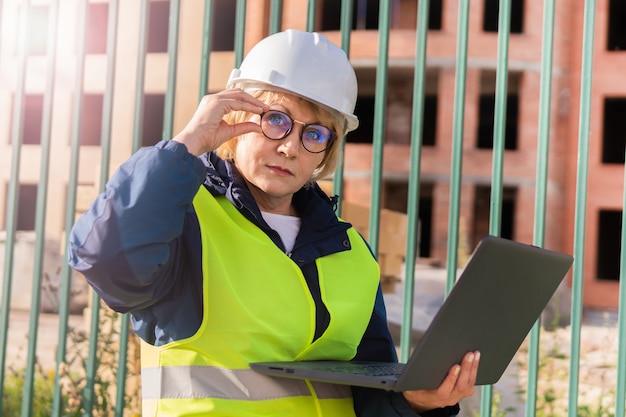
277, 120
313, 135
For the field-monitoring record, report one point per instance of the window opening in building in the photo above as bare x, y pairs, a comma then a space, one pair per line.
616, 39
486, 110
429, 126
96, 31
609, 244
431, 103
396, 195
365, 15
153, 116
158, 26
26, 205
425, 225
91, 121
331, 15
491, 12
400, 101
223, 25
37, 37
32, 119
364, 110
482, 209
614, 130
435, 14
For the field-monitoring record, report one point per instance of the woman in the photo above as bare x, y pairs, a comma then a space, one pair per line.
225, 251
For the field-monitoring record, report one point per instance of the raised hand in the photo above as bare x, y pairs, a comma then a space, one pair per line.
207, 129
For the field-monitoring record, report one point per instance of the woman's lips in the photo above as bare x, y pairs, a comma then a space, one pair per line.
280, 170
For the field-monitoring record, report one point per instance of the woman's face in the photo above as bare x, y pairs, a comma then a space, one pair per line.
275, 169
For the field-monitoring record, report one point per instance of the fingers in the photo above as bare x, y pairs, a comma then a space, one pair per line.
461, 378
468, 371
232, 100
458, 384
207, 129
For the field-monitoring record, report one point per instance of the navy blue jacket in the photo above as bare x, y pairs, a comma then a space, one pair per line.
139, 247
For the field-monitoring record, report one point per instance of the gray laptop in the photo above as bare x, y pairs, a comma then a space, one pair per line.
491, 308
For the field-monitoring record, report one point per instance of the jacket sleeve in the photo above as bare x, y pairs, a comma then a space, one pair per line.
377, 345
126, 244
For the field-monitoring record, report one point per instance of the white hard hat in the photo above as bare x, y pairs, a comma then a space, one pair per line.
305, 64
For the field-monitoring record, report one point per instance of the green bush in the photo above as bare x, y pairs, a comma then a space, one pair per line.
14, 392
72, 377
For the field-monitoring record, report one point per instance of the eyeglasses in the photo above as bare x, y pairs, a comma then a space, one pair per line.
277, 125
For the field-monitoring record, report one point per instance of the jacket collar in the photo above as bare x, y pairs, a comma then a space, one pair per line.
315, 208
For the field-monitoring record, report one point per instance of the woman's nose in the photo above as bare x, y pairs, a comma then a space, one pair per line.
290, 144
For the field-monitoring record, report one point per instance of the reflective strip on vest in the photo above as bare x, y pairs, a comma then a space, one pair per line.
179, 382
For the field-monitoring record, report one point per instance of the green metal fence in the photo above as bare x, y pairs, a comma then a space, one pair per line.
18, 89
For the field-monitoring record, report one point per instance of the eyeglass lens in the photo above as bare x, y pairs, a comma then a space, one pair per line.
277, 125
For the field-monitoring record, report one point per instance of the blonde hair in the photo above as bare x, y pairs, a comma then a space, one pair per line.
226, 151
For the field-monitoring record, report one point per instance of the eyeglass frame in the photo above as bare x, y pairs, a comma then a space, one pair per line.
293, 121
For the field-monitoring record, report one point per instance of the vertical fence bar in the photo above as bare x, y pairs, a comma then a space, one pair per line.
66, 273
417, 123
172, 55
40, 211
499, 129
91, 366
543, 141
12, 196
205, 54
107, 105
378, 141
581, 201
499, 119
543, 133
346, 29
240, 31
311, 15
457, 143
122, 372
276, 15
142, 49
105, 144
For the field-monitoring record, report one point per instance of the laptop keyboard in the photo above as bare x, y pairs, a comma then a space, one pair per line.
367, 369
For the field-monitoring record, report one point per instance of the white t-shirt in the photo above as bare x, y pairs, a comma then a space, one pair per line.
286, 226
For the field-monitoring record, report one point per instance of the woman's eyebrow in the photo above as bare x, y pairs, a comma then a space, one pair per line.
282, 108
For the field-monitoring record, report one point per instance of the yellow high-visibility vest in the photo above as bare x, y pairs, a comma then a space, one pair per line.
257, 307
